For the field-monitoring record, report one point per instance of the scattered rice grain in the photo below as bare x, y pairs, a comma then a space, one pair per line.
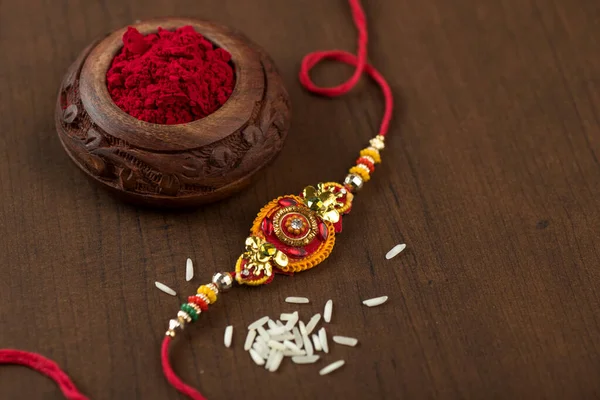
395, 251
290, 345
345, 340
165, 288
276, 362
332, 367
305, 359
270, 358
261, 331
375, 301
258, 322
276, 345
249, 339
323, 339
261, 349
312, 323
328, 311
296, 300
316, 342
302, 328
256, 357
285, 336
292, 353
189, 270
298, 338
286, 316
308, 345
228, 336
278, 330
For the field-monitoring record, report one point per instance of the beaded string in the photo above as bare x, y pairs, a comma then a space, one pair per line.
358, 174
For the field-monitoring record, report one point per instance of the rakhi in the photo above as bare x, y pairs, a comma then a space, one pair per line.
293, 233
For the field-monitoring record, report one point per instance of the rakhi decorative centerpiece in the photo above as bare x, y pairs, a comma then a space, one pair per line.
290, 234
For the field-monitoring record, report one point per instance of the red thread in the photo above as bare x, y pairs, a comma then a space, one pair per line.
169, 77
172, 377
44, 366
360, 62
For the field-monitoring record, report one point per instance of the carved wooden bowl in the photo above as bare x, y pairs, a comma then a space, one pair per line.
173, 165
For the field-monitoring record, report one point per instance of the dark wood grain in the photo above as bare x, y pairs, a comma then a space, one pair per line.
491, 176
168, 166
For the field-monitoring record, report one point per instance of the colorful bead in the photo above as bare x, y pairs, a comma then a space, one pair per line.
368, 162
353, 183
183, 317
196, 308
213, 287
190, 311
363, 173
199, 302
371, 152
377, 142
208, 292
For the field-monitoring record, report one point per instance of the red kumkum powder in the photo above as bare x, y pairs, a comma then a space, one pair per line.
170, 77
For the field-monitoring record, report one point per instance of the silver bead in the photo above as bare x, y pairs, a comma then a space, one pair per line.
223, 281
174, 324
354, 182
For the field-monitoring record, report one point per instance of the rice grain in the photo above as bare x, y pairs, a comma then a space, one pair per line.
228, 336
165, 288
189, 270
328, 311
331, 367
297, 300
323, 340
345, 340
305, 359
375, 301
258, 322
256, 357
249, 339
395, 251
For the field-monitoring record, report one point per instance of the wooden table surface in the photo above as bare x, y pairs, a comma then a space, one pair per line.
491, 176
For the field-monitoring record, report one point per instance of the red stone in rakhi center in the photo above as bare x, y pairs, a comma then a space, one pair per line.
286, 202
170, 77
323, 233
267, 226
296, 252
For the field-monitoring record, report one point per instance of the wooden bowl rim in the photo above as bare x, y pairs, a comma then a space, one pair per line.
165, 138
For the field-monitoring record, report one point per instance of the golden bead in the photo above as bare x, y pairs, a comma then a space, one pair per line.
213, 287
364, 167
208, 292
371, 152
360, 172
